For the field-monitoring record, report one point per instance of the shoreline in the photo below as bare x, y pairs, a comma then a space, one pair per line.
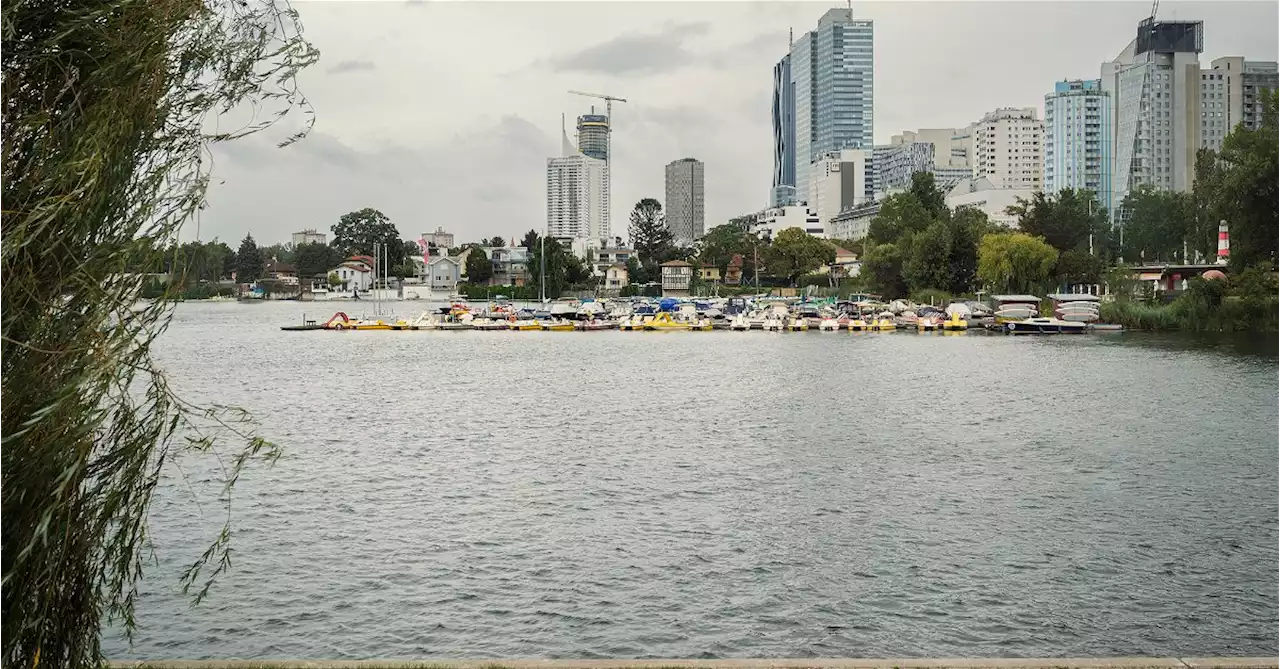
742, 663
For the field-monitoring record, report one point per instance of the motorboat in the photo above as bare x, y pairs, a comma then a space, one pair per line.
740, 323
490, 324
858, 324
591, 311
772, 323
1046, 326
955, 322
525, 325
929, 323
594, 325
907, 319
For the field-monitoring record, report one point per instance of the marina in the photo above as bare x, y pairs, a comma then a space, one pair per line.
1017, 314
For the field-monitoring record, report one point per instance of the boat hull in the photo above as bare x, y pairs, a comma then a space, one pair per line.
1018, 327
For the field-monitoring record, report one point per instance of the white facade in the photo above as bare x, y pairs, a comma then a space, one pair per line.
770, 222
354, 275
952, 147
577, 200
1009, 148
854, 224
308, 236
983, 195
839, 180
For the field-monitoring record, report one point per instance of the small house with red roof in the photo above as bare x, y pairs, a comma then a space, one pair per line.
733, 273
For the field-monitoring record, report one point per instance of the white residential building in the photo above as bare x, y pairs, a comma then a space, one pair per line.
577, 195
353, 275
308, 236
1077, 139
770, 222
839, 180
1009, 148
985, 196
853, 224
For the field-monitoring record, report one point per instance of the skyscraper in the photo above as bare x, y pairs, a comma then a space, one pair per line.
685, 205
784, 135
1160, 107
1008, 148
1077, 138
577, 199
593, 136
832, 81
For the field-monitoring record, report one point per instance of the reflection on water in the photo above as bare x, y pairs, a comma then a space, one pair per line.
501, 494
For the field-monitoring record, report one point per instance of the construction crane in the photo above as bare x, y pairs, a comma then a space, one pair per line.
608, 103
608, 156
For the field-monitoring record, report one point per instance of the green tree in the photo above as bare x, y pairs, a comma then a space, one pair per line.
927, 266
479, 267
357, 232
530, 240
1065, 219
496, 242
557, 263
1078, 267
967, 226
104, 127
882, 267
1159, 224
313, 259
636, 272
1240, 187
795, 253
281, 252
248, 261
900, 214
650, 236
926, 192
1015, 262
719, 245
196, 262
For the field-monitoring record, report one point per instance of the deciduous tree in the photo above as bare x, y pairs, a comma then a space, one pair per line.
650, 236
795, 253
927, 267
479, 267
357, 233
1015, 262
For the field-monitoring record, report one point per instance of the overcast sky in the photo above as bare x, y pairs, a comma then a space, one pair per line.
444, 113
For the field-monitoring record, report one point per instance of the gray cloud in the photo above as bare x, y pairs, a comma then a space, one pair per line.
636, 54
346, 66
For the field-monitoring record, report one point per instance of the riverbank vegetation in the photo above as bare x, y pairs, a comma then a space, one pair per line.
106, 112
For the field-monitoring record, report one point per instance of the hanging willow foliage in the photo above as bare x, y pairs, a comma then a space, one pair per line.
106, 109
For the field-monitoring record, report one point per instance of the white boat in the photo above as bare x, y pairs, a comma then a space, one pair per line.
1045, 326
740, 323
829, 324
772, 323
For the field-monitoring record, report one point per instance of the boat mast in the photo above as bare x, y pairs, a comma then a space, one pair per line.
542, 270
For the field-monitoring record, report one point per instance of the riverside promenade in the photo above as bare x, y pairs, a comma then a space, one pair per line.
763, 663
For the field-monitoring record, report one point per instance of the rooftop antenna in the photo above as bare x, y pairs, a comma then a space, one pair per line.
791, 36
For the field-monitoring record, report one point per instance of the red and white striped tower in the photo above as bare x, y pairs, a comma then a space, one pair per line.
1224, 243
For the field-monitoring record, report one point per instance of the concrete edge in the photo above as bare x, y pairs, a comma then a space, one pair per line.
746, 663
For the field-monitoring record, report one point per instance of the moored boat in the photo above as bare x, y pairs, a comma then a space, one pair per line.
1045, 326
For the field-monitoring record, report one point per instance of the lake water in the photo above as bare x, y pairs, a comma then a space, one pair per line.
581, 495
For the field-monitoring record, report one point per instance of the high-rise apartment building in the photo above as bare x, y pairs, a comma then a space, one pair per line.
1008, 148
840, 180
1165, 108
686, 200
832, 86
1244, 84
944, 152
1161, 107
1077, 138
784, 135
593, 136
577, 195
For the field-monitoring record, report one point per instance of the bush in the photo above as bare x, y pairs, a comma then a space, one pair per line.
931, 296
